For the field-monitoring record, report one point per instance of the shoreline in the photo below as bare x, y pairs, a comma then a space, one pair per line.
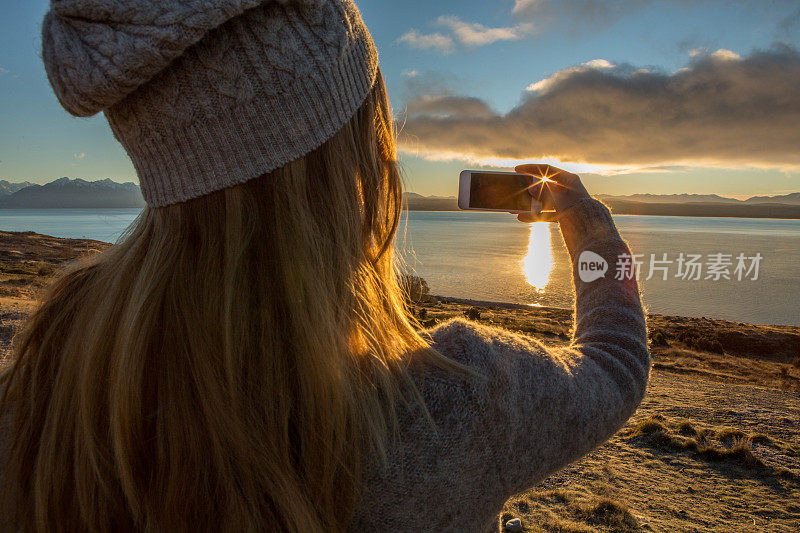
510, 305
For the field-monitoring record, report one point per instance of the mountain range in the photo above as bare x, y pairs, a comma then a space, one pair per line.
79, 193
695, 205
790, 199
785, 199
9, 187
70, 193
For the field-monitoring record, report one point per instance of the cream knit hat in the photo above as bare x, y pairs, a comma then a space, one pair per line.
206, 94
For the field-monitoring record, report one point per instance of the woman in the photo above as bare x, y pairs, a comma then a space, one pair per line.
242, 359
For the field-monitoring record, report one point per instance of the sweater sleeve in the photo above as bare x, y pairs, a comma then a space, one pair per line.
546, 407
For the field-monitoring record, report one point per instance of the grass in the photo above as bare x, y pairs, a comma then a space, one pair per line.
723, 444
559, 510
610, 513
658, 338
706, 342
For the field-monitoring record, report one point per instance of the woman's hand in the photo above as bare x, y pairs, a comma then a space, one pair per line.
554, 187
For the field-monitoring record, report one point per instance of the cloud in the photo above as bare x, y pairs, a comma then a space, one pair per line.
79, 156
3, 70
579, 16
470, 34
790, 22
448, 106
722, 53
434, 41
431, 82
544, 8
720, 110
570, 10
474, 34
527, 6
544, 84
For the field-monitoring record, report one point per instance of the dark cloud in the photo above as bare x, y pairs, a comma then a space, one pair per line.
594, 10
575, 17
430, 82
791, 22
721, 110
449, 106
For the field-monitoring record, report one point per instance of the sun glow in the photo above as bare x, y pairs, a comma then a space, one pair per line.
546, 176
538, 262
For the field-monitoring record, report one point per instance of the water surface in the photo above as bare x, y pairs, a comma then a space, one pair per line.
492, 257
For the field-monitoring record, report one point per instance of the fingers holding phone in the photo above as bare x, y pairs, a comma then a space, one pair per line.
535, 192
559, 187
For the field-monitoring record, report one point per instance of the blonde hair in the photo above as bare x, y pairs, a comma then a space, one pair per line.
230, 364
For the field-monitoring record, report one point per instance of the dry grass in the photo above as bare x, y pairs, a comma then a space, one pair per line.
571, 511
711, 444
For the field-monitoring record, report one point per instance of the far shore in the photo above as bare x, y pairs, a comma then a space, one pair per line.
715, 444
618, 207
626, 207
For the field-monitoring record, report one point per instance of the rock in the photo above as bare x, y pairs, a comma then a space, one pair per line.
514, 525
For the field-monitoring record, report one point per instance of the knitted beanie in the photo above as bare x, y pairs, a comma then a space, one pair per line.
206, 94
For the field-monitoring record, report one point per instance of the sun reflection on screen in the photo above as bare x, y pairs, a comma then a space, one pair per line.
538, 262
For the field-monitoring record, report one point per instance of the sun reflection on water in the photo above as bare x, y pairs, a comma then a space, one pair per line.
538, 262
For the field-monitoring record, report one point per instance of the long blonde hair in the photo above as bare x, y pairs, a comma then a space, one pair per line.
230, 364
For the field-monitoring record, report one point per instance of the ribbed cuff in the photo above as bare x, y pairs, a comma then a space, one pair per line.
584, 222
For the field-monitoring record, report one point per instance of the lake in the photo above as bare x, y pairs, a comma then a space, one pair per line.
492, 257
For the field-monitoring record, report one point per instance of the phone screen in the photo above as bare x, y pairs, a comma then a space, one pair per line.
499, 191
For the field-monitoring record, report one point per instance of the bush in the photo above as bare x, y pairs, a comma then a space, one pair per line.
687, 429
728, 435
658, 338
702, 342
610, 513
46, 270
473, 313
414, 288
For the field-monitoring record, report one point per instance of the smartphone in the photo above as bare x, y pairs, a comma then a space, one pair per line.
496, 191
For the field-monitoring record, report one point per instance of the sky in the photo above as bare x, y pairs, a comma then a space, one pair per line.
637, 96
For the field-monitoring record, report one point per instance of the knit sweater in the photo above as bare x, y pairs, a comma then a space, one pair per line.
537, 410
